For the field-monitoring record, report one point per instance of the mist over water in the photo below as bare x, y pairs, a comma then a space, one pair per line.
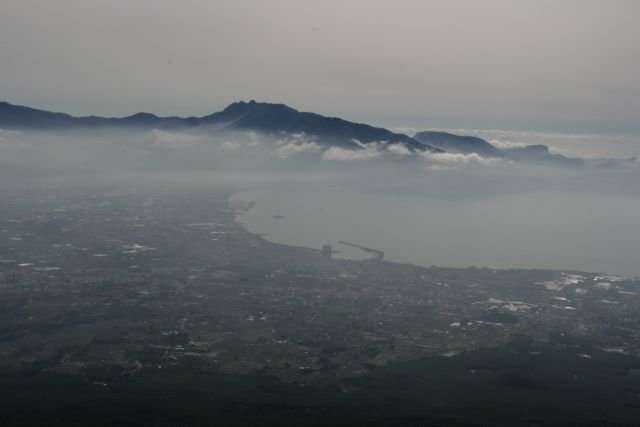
446, 210
546, 229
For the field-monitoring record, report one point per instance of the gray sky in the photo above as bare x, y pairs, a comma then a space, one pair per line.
491, 63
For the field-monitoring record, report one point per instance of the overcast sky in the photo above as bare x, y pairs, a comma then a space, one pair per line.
536, 64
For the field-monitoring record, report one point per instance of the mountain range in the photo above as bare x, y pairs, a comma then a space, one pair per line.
470, 144
255, 116
279, 119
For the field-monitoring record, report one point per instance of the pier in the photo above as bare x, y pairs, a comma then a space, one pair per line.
377, 255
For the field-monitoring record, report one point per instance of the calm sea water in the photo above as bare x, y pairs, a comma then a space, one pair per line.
555, 230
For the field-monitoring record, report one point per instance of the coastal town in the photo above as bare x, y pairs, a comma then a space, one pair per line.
121, 281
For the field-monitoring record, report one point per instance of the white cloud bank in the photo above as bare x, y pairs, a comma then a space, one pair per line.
347, 155
296, 143
367, 151
293, 148
454, 160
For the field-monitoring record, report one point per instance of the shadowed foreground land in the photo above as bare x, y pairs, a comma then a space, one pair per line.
485, 387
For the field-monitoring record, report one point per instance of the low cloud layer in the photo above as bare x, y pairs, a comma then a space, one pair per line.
367, 151
296, 144
454, 160
252, 157
174, 140
585, 145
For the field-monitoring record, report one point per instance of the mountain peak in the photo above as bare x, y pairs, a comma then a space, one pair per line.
252, 106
